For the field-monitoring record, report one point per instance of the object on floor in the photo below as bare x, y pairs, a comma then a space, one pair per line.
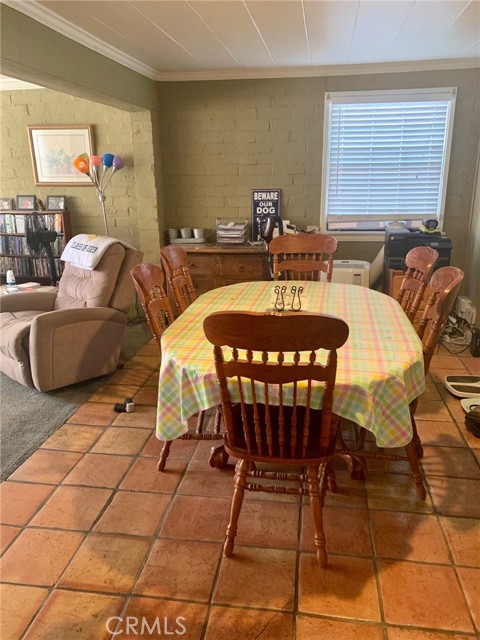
470, 403
463, 386
472, 422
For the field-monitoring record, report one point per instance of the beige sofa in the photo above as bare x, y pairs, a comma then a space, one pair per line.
53, 339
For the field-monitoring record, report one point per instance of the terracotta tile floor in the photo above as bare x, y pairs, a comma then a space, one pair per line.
92, 535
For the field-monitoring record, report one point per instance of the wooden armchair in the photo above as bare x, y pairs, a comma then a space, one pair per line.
302, 256
419, 262
268, 409
149, 283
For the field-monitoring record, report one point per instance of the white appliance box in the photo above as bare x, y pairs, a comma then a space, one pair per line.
351, 272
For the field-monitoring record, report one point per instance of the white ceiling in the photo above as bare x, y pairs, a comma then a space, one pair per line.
199, 39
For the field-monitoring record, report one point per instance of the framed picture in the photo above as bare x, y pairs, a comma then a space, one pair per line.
54, 148
56, 203
26, 203
6, 204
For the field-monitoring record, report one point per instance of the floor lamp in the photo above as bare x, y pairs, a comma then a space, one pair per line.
90, 166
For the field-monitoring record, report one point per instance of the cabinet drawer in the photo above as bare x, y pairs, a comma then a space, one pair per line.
201, 264
240, 265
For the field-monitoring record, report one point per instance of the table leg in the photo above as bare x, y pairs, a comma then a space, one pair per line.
164, 455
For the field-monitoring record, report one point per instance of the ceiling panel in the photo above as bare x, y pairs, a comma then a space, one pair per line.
377, 26
330, 27
460, 36
233, 25
282, 26
424, 25
185, 27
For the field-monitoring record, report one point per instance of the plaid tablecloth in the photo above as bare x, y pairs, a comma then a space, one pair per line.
380, 367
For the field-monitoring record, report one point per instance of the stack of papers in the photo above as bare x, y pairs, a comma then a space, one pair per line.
231, 232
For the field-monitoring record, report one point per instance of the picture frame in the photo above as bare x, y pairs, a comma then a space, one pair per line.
54, 148
56, 203
6, 204
26, 203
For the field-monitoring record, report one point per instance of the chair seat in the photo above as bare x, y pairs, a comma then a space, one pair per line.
15, 332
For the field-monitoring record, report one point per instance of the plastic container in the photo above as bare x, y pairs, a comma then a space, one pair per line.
10, 278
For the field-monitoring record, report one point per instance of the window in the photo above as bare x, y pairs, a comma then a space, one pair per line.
386, 157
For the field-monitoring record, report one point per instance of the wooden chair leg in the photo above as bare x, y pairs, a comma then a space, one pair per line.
164, 455
218, 420
331, 478
416, 438
237, 500
316, 503
200, 421
415, 467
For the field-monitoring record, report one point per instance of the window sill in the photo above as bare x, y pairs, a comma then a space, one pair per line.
358, 236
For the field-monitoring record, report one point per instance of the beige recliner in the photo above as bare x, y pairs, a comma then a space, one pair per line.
52, 339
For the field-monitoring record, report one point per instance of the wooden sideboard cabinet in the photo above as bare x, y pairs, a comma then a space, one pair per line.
215, 266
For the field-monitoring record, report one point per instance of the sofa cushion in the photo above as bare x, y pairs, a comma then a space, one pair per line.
15, 333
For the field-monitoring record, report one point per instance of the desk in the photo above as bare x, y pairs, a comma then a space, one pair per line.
380, 367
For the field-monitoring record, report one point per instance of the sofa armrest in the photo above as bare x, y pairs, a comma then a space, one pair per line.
71, 345
37, 300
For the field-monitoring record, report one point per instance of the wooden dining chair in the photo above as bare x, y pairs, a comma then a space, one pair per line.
149, 282
444, 286
269, 404
175, 263
302, 256
419, 263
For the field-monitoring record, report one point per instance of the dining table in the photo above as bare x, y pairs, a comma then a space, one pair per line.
379, 373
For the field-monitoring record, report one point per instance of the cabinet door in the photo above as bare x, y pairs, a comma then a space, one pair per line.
243, 267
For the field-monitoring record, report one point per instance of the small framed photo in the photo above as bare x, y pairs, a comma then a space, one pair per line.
26, 203
56, 203
5, 204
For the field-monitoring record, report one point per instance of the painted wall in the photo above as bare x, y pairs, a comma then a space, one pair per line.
474, 249
222, 139
112, 133
32, 52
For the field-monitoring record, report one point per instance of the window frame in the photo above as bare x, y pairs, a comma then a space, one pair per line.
378, 96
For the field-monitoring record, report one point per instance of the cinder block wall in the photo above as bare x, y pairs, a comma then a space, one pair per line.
222, 139
112, 133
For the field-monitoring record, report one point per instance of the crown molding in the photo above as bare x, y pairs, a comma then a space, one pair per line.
12, 84
322, 71
50, 19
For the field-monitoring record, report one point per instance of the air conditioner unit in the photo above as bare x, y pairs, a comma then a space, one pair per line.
351, 272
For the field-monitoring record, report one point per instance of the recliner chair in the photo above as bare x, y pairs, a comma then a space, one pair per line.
53, 339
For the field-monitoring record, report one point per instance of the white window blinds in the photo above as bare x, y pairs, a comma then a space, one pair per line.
387, 155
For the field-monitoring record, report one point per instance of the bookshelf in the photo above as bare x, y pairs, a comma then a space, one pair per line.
14, 251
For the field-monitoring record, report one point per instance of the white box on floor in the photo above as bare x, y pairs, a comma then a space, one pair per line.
351, 272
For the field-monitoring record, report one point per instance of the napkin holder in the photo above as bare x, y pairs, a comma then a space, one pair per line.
288, 298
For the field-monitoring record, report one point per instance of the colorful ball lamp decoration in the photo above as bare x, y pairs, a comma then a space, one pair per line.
90, 166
